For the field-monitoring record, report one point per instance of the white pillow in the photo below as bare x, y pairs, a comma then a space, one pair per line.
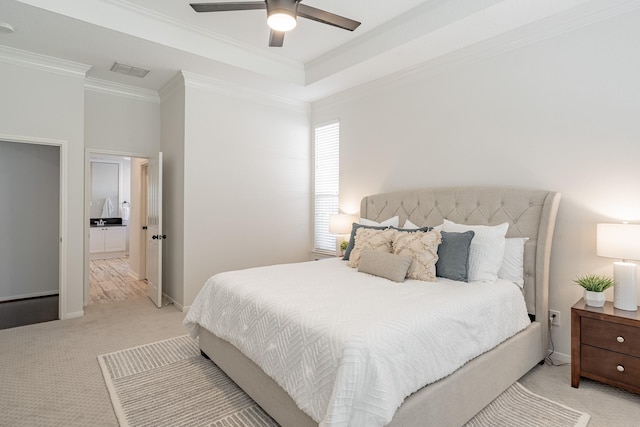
486, 251
513, 262
408, 225
391, 222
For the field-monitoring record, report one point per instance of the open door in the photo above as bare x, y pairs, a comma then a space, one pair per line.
155, 234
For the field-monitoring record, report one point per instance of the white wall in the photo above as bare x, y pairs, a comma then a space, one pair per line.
561, 115
246, 184
122, 124
50, 106
53, 107
173, 147
29, 220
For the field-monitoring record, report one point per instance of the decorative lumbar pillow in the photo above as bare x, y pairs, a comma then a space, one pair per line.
486, 250
512, 268
383, 264
453, 256
423, 248
370, 238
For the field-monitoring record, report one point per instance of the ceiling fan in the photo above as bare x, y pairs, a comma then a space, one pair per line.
281, 15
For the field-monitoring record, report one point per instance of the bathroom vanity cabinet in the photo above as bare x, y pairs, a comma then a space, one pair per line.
107, 240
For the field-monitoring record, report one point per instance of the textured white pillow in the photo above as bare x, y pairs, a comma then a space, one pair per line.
423, 248
513, 262
408, 225
370, 238
391, 222
486, 251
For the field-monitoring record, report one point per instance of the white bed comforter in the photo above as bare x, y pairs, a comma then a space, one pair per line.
349, 347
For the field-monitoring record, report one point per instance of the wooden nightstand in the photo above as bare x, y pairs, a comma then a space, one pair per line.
605, 345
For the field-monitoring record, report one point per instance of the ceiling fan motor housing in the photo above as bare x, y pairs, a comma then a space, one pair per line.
287, 7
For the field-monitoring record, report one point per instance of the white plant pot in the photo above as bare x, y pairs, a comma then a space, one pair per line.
594, 299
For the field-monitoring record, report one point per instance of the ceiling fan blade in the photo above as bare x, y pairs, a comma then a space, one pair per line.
325, 17
276, 38
228, 6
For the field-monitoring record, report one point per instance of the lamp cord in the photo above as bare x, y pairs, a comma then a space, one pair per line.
548, 360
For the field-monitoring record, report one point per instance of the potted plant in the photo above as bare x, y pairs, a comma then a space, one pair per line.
594, 286
343, 247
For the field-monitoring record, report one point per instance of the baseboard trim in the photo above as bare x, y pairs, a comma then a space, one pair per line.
31, 295
182, 308
72, 315
134, 275
560, 358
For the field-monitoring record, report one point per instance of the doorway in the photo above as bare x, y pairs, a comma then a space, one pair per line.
31, 229
114, 267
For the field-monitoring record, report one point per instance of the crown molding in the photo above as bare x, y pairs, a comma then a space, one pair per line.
171, 86
197, 81
118, 89
544, 29
40, 62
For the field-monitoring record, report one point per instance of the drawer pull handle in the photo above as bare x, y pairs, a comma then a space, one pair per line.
620, 368
620, 339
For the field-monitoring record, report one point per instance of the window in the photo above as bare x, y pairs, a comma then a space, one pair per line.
326, 184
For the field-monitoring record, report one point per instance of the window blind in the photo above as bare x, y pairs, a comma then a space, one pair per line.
326, 184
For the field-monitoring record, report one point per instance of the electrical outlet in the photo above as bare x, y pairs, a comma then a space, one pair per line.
555, 317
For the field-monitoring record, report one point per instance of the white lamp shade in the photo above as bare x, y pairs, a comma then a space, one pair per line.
340, 223
621, 241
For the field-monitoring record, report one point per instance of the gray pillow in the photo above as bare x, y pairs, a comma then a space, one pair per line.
352, 239
383, 264
453, 256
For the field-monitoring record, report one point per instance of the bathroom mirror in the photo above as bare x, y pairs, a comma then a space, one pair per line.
105, 190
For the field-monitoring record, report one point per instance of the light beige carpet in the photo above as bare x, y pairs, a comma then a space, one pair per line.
169, 383
49, 374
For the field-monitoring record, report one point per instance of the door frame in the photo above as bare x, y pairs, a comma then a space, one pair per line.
87, 209
144, 197
62, 226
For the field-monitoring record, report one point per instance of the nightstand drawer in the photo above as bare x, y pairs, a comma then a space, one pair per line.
610, 336
611, 365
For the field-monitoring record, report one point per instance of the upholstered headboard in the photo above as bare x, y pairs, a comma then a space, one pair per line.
530, 213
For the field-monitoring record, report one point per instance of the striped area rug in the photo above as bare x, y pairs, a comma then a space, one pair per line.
168, 383
517, 406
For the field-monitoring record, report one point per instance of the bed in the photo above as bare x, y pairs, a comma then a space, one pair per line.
458, 396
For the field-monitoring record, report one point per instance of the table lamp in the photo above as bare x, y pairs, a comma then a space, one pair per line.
621, 241
340, 225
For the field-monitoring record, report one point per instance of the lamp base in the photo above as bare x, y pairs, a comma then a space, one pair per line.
625, 291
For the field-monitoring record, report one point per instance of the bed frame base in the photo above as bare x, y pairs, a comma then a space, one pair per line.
450, 402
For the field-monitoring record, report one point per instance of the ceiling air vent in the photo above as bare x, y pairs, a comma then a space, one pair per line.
129, 70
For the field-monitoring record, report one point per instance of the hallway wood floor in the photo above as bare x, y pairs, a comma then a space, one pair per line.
110, 280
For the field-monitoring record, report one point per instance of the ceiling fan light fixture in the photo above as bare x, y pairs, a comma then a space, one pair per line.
281, 20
